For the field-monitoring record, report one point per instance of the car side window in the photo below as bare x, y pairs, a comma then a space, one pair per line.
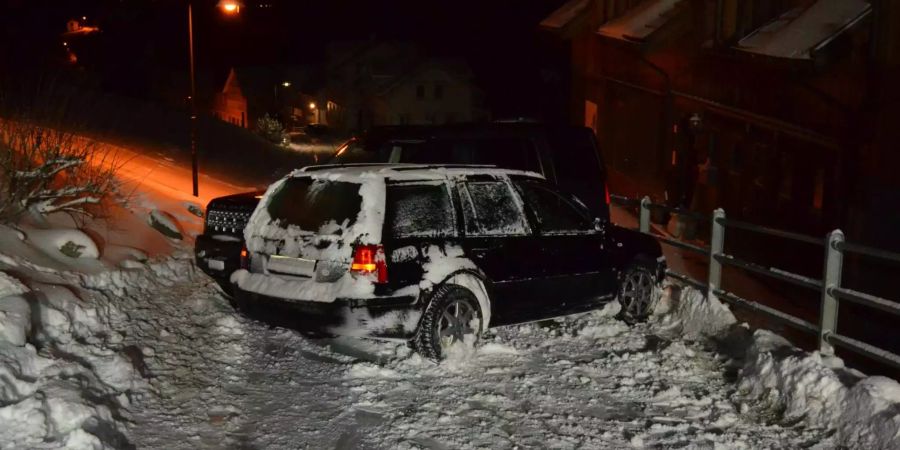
555, 214
420, 210
491, 208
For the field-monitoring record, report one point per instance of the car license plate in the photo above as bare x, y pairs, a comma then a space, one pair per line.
292, 266
215, 264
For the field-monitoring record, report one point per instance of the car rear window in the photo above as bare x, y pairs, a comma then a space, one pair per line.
320, 206
420, 210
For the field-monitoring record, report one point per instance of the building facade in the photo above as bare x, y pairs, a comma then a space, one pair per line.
772, 109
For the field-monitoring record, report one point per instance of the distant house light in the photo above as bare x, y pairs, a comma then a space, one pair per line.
312, 105
286, 84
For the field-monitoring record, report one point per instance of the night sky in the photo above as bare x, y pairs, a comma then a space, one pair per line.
499, 38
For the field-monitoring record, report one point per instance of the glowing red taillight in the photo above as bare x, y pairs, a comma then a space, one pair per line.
245, 258
606, 192
369, 260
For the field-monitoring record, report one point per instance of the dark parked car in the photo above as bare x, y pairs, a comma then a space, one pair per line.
433, 254
564, 155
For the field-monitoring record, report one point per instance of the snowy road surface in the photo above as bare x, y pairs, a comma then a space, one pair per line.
219, 380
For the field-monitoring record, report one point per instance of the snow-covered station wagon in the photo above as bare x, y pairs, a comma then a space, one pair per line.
433, 254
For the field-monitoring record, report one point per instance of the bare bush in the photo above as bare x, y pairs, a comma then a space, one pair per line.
272, 130
46, 170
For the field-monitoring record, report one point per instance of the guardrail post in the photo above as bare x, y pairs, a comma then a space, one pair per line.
716, 247
645, 215
831, 279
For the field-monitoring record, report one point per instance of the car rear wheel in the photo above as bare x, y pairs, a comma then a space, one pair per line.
636, 293
452, 316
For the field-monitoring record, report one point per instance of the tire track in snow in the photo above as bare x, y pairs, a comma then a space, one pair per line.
222, 381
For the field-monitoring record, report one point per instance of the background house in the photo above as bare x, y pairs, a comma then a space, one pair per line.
433, 92
385, 83
292, 95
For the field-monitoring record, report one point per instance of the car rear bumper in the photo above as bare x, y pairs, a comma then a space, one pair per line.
380, 317
216, 257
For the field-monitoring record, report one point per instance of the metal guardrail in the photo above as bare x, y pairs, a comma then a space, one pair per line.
829, 286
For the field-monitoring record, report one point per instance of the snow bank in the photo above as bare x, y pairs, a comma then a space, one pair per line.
789, 379
15, 313
820, 392
65, 375
15, 320
796, 386
686, 312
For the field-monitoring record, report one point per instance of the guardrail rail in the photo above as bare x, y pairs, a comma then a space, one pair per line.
829, 287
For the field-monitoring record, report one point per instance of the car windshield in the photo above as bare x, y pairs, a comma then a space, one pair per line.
319, 206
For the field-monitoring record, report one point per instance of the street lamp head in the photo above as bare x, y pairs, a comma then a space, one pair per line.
230, 6
312, 105
286, 84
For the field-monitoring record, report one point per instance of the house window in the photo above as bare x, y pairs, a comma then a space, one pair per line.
420, 92
438, 91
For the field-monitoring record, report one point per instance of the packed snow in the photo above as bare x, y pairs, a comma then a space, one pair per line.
166, 363
135, 348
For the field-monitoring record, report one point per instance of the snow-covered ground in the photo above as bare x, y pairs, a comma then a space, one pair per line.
126, 344
156, 358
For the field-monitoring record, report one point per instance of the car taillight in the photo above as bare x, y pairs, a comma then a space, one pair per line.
606, 192
245, 258
369, 259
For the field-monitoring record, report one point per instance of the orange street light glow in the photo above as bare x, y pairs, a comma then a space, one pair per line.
312, 105
230, 7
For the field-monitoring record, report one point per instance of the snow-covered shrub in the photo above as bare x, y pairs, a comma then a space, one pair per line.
45, 170
271, 130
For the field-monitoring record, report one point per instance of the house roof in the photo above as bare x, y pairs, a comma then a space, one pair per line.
638, 23
801, 32
565, 15
455, 68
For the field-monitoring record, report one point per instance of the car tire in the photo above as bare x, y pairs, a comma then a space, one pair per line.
448, 318
637, 293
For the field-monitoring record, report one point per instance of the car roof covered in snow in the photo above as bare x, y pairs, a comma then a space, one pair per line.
361, 172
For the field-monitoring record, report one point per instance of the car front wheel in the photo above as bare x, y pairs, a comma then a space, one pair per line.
452, 316
637, 293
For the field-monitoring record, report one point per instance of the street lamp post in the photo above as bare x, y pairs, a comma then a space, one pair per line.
230, 7
194, 164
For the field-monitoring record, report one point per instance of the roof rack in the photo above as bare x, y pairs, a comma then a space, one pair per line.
444, 166
399, 166
337, 166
